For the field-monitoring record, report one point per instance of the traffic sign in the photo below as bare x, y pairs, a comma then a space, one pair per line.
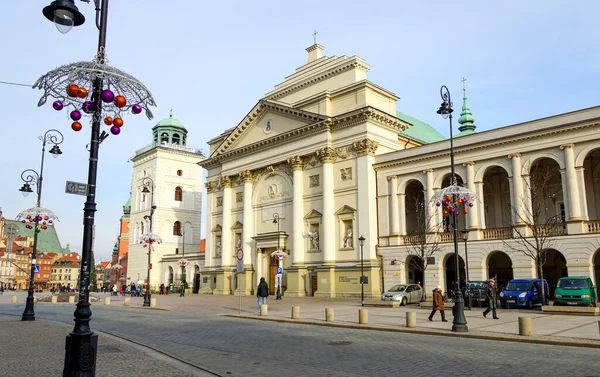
76, 188
37, 269
277, 281
279, 270
239, 254
240, 265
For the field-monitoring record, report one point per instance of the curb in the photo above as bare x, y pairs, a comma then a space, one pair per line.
539, 339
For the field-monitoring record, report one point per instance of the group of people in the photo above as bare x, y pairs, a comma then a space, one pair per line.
134, 290
490, 294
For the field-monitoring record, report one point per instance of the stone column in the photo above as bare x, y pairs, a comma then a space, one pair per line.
582, 194
327, 156
401, 200
430, 207
572, 187
226, 244
394, 209
248, 231
472, 217
517, 188
210, 199
297, 273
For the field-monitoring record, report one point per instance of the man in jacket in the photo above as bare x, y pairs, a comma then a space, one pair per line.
262, 292
490, 294
438, 304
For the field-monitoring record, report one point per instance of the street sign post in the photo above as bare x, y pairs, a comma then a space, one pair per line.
76, 188
37, 269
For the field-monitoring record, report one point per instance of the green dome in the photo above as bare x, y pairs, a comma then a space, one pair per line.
169, 130
170, 122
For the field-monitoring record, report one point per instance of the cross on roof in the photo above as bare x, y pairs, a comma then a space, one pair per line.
315, 36
464, 80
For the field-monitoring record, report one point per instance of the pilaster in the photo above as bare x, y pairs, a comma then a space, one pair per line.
297, 214
394, 210
572, 192
226, 244
327, 156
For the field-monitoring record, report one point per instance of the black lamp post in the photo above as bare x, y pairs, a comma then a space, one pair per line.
276, 221
465, 236
459, 324
30, 177
148, 182
183, 264
361, 242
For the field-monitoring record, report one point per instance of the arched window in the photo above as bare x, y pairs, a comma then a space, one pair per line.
177, 228
178, 194
164, 137
175, 138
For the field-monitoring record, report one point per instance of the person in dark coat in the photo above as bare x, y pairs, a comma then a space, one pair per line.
490, 294
438, 304
262, 292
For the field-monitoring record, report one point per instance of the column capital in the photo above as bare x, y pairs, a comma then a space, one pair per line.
326, 155
515, 155
295, 162
365, 147
469, 163
211, 186
247, 176
225, 181
392, 177
568, 145
427, 171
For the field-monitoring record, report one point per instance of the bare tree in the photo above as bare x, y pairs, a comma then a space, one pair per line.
422, 242
536, 222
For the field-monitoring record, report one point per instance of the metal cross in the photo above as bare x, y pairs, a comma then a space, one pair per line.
464, 80
315, 36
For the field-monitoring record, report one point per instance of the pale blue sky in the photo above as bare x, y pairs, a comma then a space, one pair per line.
212, 61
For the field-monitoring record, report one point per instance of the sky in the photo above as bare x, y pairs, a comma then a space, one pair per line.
212, 61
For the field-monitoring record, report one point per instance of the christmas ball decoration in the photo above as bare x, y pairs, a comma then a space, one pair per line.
88, 107
118, 122
45, 217
448, 198
115, 130
28, 217
44, 223
107, 95
44, 227
437, 204
57, 105
459, 200
108, 121
82, 93
49, 221
75, 115
136, 109
465, 211
445, 212
120, 101
23, 221
470, 204
72, 90
76, 126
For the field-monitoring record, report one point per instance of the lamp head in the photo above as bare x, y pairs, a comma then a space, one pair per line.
26, 189
145, 190
445, 110
275, 218
55, 151
465, 234
64, 14
361, 240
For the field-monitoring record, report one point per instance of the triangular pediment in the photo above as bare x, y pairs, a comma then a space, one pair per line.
313, 214
217, 228
237, 225
345, 210
266, 120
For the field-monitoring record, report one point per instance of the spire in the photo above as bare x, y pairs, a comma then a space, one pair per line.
466, 120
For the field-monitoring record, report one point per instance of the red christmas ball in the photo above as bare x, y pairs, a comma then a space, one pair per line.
118, 122
72, 90
76, 126
120, 101
108, 121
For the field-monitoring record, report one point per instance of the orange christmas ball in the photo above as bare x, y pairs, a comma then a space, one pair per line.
465, 211
118, 122
76, 126
45, 217
448, 197
82, 93
72, 90
120, 101
445, 212
108, 121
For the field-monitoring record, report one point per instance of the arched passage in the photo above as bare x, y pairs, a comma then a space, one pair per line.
197, 279
450, 272
447, 217
414, 208
554, 268
169, 276
414, 270
499, 265
496, 198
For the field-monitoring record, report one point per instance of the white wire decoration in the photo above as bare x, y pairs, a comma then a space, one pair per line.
183, 263
150, 238
71, 86
44, 217
452, 198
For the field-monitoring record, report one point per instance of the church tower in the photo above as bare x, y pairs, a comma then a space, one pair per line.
166, 200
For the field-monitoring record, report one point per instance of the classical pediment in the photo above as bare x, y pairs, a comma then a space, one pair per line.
313, 214
237, 225
217, 228
345, 210
266, 120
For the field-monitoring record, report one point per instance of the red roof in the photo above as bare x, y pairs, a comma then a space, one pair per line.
203, 245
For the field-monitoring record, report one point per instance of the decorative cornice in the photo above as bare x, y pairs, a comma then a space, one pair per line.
326, 155
295, 163
371, 114
365, 147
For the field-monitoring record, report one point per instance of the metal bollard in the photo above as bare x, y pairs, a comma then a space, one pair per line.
127, 302
363, 316
411, 319
264, 310
54, 299
525, 326
71, 299
153, 303
329, 314
295, 312
13, 300
107, 301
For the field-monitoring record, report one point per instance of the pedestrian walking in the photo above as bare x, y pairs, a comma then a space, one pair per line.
438, 304
262, 292
490, 294
182, 290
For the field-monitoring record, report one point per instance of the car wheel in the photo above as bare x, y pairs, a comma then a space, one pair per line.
403, 302
593, 303
530, 304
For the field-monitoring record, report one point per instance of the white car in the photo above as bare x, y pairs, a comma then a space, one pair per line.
405, 293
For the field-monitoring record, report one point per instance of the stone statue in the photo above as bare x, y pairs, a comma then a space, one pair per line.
314, 239
239, 243
218, 248
348, 239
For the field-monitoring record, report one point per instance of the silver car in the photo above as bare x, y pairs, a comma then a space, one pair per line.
405, 293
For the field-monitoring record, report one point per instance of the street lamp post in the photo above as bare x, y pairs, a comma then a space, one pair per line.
30, 176
183, 263
459, 324
361, 241
465, 236
276, 221
148, 182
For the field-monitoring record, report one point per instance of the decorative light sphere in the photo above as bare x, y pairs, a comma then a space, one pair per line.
465, 211
82, 93
448, 198
28, 217
88, 107
470, 204
108, 121
75, 115
76, 126
57, 105
23, 221
115, 130
136, 109
107, 95
120, 101
118, 122
49, 221
445, 212
437, 204
452, 210
45, 217
72, 90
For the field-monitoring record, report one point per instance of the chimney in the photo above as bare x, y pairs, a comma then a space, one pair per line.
314, 52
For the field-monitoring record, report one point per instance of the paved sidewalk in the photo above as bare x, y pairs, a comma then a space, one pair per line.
37, 349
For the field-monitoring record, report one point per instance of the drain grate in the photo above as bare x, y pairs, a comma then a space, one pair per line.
340, 343
108, 349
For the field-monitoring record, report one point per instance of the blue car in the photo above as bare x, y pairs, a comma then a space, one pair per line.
523, 293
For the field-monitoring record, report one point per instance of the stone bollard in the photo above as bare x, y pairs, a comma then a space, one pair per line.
525, 326
329, 314
71, 299
411, 319
264, 310
153, 303
34, 299
107, 301
127, 302
363, 316
54, 299
295, 312
598, 325
13, 300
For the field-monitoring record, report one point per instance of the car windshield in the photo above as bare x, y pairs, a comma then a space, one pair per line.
518, 286
397, 288
477, 285
572, 283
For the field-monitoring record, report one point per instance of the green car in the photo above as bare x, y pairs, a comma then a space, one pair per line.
575, 290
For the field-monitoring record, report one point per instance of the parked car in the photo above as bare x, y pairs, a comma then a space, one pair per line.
523, 293
476, 293
405, 293
575, 290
